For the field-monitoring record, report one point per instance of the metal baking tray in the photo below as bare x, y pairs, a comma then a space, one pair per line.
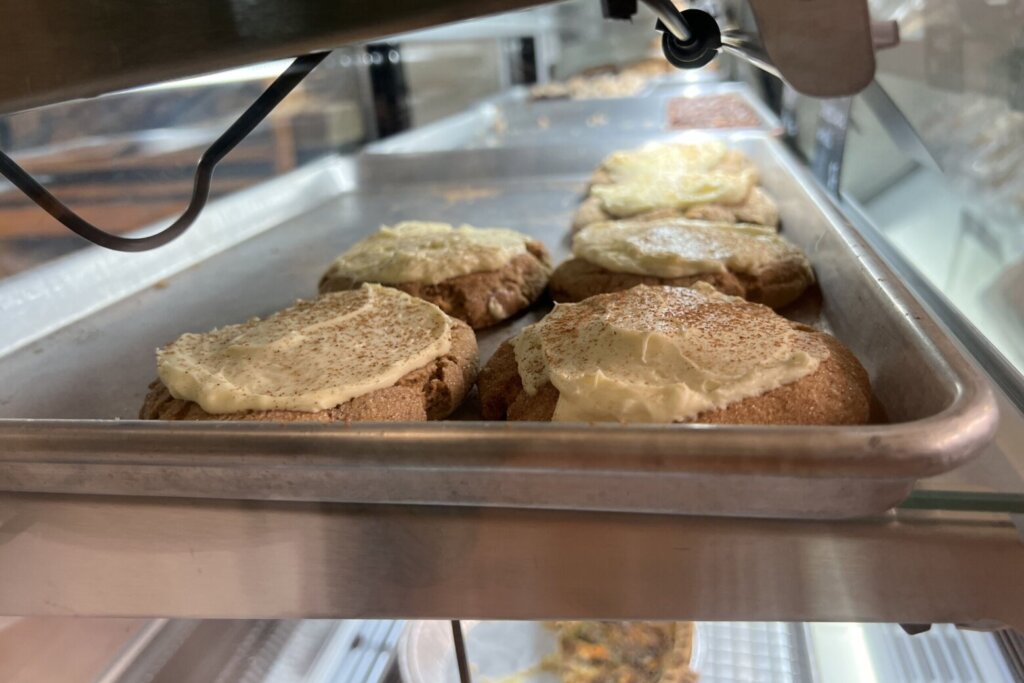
513, 119
77, 356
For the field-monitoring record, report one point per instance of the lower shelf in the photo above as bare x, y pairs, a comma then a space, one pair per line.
100, 556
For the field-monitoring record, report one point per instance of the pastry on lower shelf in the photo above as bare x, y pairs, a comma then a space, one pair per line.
704, 181
625, 652
673, 354
601, 86
479, 275
744, 260
370, 354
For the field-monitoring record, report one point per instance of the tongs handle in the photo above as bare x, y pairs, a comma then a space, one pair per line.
250, 118
671, 18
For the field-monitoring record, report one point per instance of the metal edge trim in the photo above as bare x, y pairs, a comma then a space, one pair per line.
973, 412
814, 451
984, 353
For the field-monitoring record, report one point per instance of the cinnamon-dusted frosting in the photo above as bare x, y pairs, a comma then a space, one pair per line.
414, 251
679, 247
660, 354
673, 176
312, 356
658, 158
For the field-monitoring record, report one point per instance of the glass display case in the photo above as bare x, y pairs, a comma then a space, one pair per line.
138, 550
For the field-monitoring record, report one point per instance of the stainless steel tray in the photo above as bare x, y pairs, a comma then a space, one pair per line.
513, 119
67, 395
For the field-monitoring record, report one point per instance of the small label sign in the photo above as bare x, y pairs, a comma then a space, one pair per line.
830, 141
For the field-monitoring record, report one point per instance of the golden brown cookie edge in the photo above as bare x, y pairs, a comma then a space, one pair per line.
513, 288
432, 392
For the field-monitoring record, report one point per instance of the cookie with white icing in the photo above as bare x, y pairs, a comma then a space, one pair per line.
479, 275
674, 354
743, 260
369, 354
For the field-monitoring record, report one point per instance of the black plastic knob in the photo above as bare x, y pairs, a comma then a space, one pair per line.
701, 48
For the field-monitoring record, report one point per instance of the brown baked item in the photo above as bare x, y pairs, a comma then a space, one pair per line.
776, 283
836, 392
732, 161
375, 353
659, 162
625, 652
758, 208
429, 393
577, 279
480, 298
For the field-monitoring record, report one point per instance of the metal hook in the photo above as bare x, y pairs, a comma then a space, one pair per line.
220, 148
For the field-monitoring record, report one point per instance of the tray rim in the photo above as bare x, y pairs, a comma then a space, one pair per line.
837, 449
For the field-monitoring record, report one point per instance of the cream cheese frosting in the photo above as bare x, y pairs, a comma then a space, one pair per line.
680, 247
660, 354
415, 251
312, 356
673, 176
658, 158
674, 191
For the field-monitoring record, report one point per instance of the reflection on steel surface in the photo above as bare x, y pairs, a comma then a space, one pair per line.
104, 555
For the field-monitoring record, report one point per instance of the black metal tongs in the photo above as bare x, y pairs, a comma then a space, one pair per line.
250, 118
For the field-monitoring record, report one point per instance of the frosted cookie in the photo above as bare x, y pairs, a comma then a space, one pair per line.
479, 275
673, 354
625, 652
659, 159
755, 207
370, 354
704, 181
744, 260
